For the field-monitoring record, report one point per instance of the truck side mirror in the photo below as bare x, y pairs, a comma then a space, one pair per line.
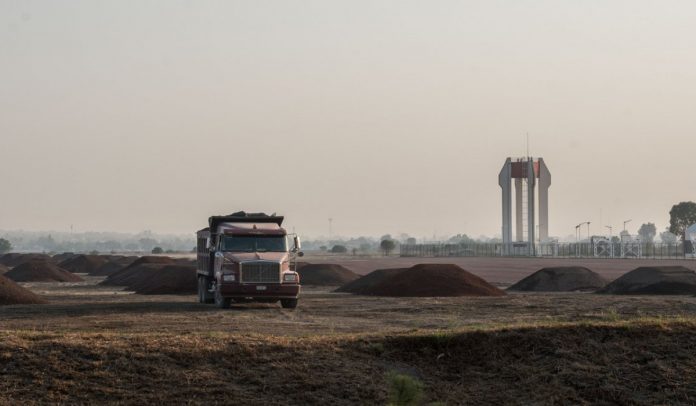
298, 245
300, 254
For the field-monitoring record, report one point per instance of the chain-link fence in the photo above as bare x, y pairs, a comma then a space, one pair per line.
677, 250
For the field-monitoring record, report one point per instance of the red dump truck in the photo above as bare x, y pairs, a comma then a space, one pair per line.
247, 257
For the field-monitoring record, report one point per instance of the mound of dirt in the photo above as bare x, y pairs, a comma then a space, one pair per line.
83, 263
11, 293
3, 269
167, 280
363, 284
14, 259
325, 274
134, 271
561, 279
657, 280
433, 280
58, 258
41, 271
113, 265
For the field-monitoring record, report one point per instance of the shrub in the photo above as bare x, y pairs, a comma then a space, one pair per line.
339, 249
404, 390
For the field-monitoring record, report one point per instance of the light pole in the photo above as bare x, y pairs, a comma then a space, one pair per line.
626, 222
611, 241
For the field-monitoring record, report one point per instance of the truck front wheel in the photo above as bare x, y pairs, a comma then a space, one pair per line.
204, 295
288, 303
220, 301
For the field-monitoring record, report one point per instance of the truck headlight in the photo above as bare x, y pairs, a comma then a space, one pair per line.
290, 277
228, 278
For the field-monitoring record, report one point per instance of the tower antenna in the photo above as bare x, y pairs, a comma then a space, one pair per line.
527, 145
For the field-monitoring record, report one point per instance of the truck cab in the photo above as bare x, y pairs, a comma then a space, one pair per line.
247, 257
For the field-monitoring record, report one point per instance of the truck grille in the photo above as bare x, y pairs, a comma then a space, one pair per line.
260, 272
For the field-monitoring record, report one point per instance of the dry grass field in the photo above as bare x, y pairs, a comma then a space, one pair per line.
96, 344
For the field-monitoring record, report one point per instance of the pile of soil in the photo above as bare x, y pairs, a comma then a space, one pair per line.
134, 271
11, 293
561, 279
656, 280
325, 274
433, 280
167, 280
360, 286
3, 269
114, 265
14, 259
58, 258
41, 271
83, 263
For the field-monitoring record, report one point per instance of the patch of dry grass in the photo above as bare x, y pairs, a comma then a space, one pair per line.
642, 361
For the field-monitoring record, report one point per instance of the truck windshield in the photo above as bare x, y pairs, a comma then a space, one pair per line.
256, 243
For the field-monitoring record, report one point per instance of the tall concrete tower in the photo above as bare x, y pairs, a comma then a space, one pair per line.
525, 172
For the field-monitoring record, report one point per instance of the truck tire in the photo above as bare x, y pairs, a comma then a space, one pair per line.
204, 295
220, 301
288, 303
201, 287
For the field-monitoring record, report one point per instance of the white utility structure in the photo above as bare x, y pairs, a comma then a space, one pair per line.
691, 237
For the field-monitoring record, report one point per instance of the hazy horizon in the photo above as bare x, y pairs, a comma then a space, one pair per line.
386, 116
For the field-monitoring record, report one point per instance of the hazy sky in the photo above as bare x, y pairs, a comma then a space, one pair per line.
387, 116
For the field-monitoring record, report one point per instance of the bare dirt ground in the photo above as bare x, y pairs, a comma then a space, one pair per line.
85, 306
98, 344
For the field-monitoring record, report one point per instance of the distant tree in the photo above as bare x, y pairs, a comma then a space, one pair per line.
668, 238
365, 247
387, 246
681, 217
147, 244
47, 243
157, 250
5, 246
339, 249
94, 252
647, 232
460, 239
354, 251
170, 251
411, 241
323, 248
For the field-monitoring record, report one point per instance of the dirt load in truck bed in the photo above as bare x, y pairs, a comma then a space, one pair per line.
325, 274
433, 280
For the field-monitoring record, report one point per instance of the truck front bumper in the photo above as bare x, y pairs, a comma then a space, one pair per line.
269, 291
